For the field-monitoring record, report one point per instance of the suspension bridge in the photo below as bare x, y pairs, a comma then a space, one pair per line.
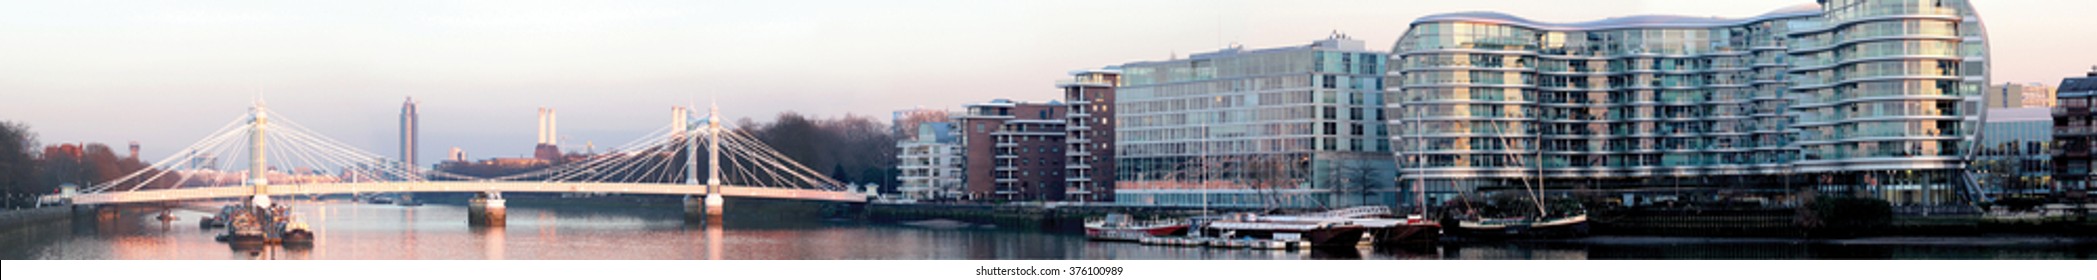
693, 156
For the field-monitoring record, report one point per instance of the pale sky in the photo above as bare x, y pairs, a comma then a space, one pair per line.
167, 72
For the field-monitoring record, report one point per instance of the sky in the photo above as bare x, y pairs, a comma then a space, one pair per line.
165, 73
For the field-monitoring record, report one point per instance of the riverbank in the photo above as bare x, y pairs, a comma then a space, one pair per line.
1722, 223
2004, 240
13, 219
1786, 223
1046, 218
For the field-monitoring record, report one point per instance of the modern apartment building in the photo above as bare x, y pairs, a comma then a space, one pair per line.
1281, 127
2015, 153
1089, 134
2074, 136
1871, 98
1013, 151
928, 163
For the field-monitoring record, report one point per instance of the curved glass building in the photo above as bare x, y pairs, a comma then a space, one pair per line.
1874, 98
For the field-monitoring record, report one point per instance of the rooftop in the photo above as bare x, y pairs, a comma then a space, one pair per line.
2084, 83
1996, 115
1639, 21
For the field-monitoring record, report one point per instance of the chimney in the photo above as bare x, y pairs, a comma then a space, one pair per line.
134, 150
678, 121
542, 126
553, 124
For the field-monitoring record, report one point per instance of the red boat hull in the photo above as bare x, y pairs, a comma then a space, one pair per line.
1133, 233
1413, 233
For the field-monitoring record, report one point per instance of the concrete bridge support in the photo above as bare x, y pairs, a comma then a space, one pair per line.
487, 209
704, 208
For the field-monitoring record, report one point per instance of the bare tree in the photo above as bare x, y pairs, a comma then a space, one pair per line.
18, 166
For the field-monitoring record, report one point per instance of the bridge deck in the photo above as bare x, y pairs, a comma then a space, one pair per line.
461, 186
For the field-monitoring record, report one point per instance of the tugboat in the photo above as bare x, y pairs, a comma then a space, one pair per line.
293, 231
251, 223
1121, 227
244, 226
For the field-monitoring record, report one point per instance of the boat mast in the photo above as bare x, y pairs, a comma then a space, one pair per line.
1538, 135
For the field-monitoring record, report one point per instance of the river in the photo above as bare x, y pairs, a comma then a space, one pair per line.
367, 231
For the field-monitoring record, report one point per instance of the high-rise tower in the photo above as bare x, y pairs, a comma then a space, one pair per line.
409, 129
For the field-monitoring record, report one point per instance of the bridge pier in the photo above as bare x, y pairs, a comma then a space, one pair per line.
487, 209
706, 208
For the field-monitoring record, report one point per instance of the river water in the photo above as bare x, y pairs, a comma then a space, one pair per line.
348, 230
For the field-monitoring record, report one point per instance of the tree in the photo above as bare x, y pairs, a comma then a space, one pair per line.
856, 149
17, 162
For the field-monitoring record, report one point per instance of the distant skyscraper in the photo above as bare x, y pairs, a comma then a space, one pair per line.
410, 124
2019, 95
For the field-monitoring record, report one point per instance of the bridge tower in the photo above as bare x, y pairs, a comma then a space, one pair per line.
713, 161
258, 165
711, 206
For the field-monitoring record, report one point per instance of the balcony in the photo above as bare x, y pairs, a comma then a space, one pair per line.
2071, 130
1087, 82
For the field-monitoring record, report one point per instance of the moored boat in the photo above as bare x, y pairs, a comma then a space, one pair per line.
1412, 229
1567, 226
218, 219
245, 226
1122, 227
1318, 233
295, 231
1382, 228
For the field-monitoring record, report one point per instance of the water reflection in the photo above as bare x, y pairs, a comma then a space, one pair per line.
492, 241
433, 231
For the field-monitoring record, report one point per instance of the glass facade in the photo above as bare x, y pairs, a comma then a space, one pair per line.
2015, 153
1875, 97
1281, 127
